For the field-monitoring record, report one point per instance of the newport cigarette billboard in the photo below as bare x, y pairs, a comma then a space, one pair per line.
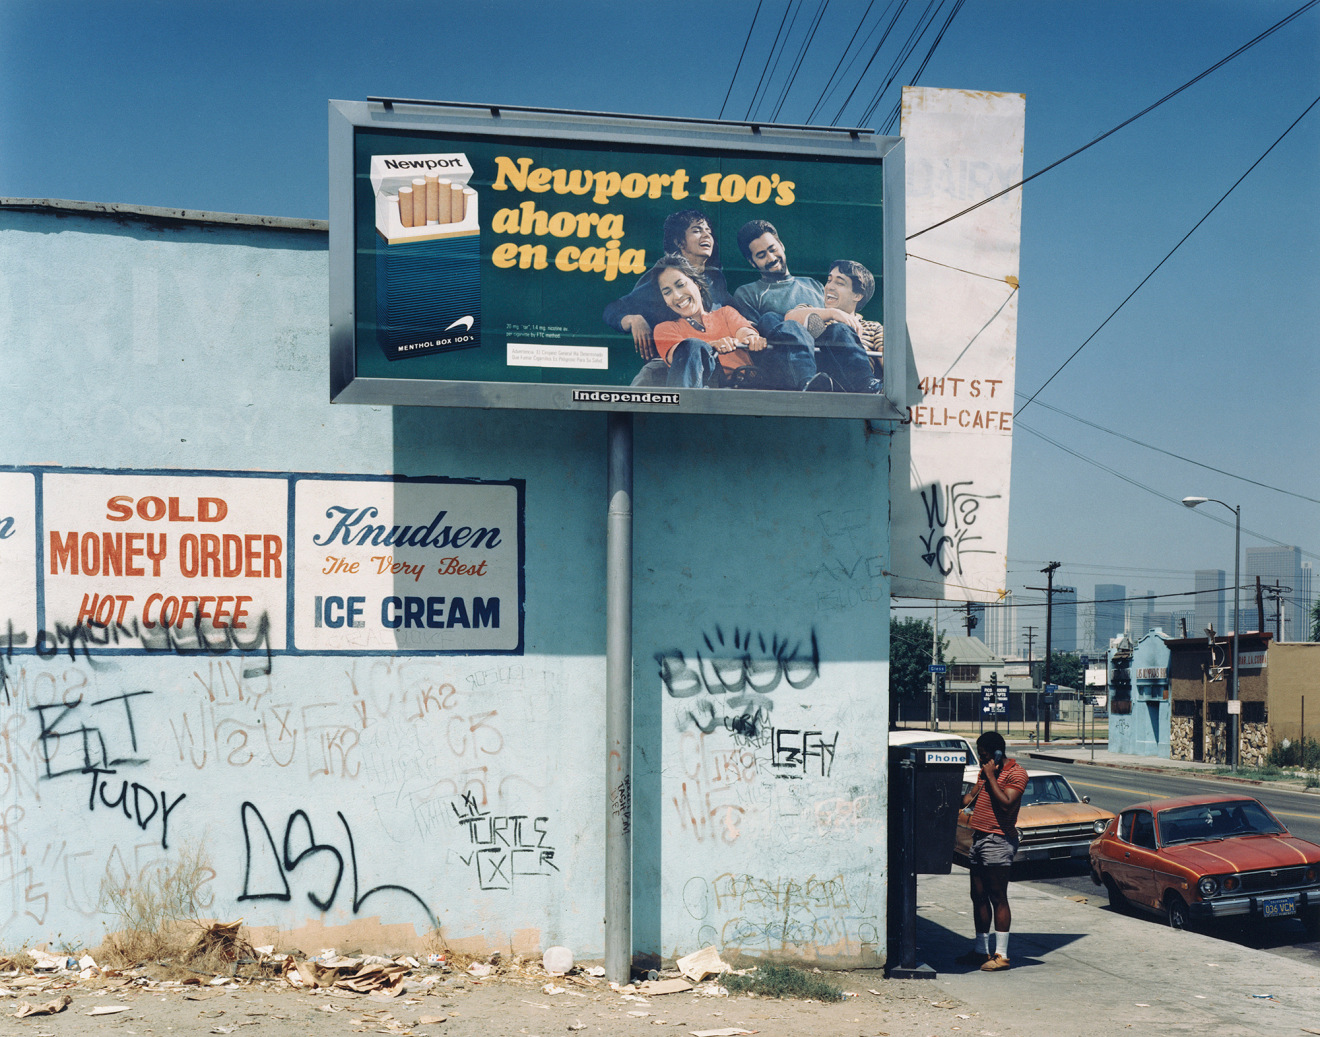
485, 257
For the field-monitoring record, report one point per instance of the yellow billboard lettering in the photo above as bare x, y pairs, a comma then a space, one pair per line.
784, 194
505, 222
680, 184
505, 255
632, 261
517, 174
533, 257
610, 226
533, 221
566, 258
539, 179
607, 186
758, 189
562, 224
634, 185
572, 181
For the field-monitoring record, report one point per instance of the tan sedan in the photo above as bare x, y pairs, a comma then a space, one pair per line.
1054, 823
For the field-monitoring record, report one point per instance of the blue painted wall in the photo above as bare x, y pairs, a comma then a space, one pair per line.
336, 796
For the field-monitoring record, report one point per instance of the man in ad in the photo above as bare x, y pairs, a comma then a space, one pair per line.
781, 305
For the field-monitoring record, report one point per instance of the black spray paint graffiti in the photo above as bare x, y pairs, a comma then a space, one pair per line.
300, 845
88, 750
742, 673
621, 803
163, 806
950, 515
791, 751
505, 845
64, 720
85, 638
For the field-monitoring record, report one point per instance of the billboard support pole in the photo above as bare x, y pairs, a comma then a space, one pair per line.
618, 702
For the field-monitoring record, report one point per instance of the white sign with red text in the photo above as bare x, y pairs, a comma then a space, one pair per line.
165, 560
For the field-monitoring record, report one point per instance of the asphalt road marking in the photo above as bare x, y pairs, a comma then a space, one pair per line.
1145, 794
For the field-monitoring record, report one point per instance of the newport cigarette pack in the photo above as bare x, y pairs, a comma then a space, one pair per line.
428, 258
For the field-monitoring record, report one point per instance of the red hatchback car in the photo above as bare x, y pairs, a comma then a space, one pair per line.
1199, 858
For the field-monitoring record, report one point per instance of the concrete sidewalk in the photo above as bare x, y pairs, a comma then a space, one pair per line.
1083, 969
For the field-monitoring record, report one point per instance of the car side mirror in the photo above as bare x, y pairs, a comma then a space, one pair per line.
1086, 799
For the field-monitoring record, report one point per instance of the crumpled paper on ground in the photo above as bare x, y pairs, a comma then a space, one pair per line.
26, 1008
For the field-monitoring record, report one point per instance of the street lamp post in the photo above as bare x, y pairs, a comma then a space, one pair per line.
1192, 502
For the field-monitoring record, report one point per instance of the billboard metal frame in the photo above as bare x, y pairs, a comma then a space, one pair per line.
563, 128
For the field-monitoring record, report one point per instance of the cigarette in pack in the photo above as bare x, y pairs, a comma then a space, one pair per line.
419, 202
442, 207
406, 206
432, 199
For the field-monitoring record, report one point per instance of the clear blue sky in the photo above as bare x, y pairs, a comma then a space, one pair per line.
221, 105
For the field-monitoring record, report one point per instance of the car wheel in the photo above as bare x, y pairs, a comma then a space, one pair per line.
1177, 913
1117, 901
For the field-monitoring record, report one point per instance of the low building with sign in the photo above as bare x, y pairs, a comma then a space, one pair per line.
1274, 680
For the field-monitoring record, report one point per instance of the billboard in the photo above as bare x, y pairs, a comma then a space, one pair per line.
499, 257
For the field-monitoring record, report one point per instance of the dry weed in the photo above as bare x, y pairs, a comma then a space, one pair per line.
156, 916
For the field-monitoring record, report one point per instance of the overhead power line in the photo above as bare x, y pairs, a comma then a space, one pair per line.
1126, 122
1176, 457
842, 62
1170, 253
741, 55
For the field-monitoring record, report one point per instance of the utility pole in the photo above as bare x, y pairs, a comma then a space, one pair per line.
1049, 630
1031, 671
1276, 593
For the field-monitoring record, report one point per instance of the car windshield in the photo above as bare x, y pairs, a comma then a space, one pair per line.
1047, 788
1216, 821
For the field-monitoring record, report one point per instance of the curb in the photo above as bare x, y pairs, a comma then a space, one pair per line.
1232, 779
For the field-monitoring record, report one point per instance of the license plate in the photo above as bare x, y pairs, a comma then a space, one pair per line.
1278, 907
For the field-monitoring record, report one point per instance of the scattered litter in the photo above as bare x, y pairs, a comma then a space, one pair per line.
728, 1031
479, 969
700, 964
550, 988
654, 988
872, 990
640, 1015
1078, 899
431, 1020
1263, 997
1141, 1004
714, 990
435, 959
557, 960
850, 993
26, 1008
107, 1009
222, 940
578, 1025
596, 970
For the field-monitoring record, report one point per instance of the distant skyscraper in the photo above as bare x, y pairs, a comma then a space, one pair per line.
1210, 597
999, 627
1063, 634
1284, 566
1110, 612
